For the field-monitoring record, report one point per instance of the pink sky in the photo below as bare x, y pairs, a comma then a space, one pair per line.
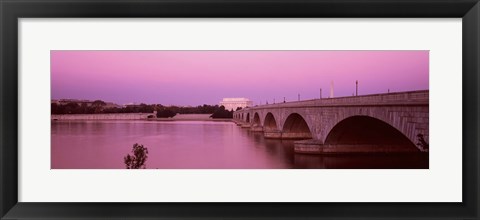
205, 77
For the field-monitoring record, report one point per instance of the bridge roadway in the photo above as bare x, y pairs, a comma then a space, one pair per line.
391, 122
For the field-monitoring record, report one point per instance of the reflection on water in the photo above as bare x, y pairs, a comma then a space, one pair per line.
399, 161
195, 145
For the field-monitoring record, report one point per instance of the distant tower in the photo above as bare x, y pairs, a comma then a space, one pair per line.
331, 90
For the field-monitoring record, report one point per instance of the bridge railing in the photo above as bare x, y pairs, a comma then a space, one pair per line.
398, 98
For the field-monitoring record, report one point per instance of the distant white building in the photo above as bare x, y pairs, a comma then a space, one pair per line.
234, 103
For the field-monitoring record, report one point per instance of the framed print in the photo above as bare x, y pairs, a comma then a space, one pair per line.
226, 109
387, 137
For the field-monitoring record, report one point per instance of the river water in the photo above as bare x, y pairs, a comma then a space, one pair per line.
195, 145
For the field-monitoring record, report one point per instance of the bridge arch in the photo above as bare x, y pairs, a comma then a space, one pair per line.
270, 124
296, 127
370, 132
248, 118
256, 119
392, 118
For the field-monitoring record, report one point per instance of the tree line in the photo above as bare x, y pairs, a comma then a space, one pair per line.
99, 107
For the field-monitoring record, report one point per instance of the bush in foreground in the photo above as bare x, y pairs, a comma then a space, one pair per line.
139, 158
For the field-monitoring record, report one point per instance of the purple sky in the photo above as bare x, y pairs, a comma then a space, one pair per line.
205, 77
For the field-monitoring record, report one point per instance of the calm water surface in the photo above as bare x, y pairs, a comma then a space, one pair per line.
194, 145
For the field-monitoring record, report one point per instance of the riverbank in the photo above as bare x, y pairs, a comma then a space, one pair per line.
136, 116
205, 119
191, 117
113, 116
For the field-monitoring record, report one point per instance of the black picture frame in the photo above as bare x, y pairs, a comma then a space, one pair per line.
12, 10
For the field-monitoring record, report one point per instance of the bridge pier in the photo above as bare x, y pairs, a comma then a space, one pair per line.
296, 135
256, 128
245, 125
313, 146
272, 134
286, 135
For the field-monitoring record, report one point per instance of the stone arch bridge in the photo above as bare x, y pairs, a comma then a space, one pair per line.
392, 122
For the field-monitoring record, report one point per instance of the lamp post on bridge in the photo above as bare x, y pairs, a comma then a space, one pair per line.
298, 96
356, 88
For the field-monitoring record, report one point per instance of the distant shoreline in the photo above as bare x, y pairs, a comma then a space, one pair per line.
150, 119
198, 119
134, 116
